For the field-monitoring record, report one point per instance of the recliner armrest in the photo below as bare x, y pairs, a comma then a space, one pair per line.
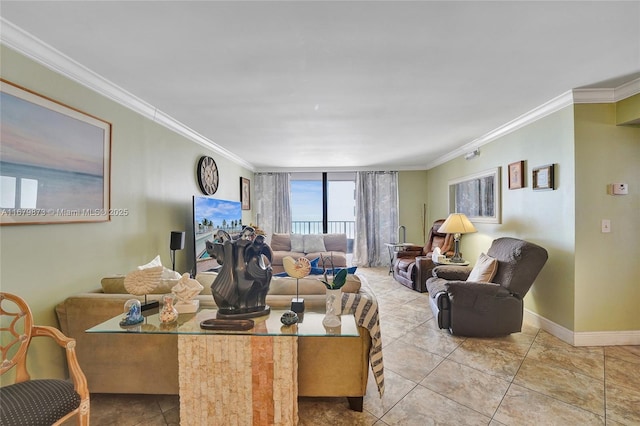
409, 251
452, 273
490, 289
474, 295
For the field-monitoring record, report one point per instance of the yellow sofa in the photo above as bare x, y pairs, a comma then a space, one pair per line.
148, 364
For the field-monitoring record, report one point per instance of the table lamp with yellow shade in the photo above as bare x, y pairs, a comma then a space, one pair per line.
457, 224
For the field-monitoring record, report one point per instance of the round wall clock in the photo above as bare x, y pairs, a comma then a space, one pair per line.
207, 175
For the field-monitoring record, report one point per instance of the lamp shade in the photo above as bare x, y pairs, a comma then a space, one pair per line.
457, 223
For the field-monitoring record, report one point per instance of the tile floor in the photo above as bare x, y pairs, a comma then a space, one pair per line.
529, 378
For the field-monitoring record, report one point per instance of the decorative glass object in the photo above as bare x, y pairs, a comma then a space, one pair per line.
337, 300
289, 318
331, 318
132, 313
169, 313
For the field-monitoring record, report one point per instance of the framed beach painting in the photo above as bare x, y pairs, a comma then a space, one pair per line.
54, 161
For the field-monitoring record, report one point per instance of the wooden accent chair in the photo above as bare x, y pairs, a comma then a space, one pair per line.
412, 265
41, 401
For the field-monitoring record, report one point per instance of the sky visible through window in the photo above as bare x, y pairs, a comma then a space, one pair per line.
306, 200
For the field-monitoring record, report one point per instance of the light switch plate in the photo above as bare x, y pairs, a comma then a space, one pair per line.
606, 225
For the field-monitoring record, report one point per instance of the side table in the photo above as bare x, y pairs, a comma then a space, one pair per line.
393, 249
449, 263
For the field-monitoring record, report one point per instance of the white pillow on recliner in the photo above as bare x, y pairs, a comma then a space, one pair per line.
484, 270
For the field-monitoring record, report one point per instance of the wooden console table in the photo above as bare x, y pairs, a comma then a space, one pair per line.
237, 377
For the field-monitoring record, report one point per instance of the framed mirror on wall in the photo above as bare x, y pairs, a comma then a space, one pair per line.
477, 196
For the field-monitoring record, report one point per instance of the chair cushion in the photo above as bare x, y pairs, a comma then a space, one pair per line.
484, 270
37, 402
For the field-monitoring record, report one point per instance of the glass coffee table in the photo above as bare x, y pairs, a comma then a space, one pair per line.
237, 376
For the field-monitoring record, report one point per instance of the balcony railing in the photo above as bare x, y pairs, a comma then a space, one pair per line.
334, 227
315, 227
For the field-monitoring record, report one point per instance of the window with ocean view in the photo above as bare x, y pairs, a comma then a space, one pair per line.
316, 208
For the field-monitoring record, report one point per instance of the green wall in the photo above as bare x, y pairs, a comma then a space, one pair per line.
590, 282
543, 217
628, 111
607, 272
152, 175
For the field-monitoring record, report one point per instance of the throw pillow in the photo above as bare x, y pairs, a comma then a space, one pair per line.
313, 243
297, 243
484, 270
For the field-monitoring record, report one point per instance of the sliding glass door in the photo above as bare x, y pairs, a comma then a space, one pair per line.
323, 203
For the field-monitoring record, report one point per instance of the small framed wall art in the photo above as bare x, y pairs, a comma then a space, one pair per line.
245, 193
543, 178
516, 175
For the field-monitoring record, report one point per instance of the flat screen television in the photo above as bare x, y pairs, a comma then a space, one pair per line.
210, 215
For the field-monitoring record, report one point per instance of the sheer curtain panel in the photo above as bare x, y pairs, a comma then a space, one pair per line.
376, 217
272, 193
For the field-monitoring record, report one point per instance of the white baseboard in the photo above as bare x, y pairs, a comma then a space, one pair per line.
583, 338
550, 327
607, 338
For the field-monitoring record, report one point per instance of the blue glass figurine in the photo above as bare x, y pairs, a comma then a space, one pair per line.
133, 313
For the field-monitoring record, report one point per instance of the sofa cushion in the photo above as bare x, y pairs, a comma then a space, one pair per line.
484, 270
297, 242
313, 243
309, 285
281, 242
335, 242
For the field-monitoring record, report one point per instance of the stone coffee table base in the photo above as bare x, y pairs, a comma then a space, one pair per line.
238, 379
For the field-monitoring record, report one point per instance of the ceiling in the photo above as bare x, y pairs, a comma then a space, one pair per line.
340, 85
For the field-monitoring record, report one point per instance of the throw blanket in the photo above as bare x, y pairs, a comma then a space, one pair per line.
364, 307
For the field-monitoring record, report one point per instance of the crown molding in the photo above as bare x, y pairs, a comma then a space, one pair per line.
627, 90
575, 96
604, 96
535, 114
594, 96
26, 44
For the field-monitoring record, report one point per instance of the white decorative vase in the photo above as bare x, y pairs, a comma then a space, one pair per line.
337, 300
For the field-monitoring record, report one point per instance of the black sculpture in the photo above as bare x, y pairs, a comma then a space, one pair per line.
240, 289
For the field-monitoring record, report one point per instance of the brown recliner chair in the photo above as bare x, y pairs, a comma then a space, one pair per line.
412, 266
487, 309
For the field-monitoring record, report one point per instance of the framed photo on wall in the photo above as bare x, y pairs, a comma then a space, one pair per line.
54, 160
245, 193
543, 178
516, 175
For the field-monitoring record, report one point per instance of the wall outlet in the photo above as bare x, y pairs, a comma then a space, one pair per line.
606, 225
